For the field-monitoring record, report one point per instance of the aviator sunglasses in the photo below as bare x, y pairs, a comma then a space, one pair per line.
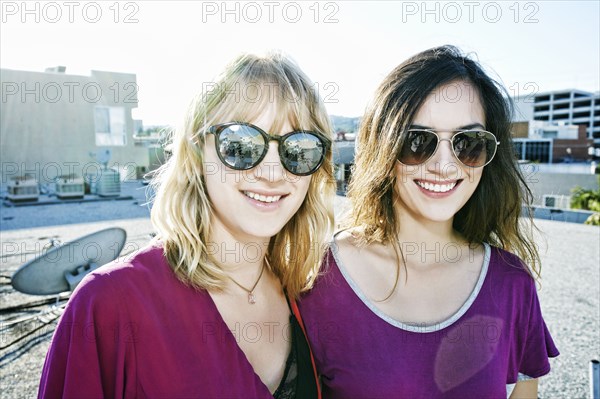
242, 146
473, 148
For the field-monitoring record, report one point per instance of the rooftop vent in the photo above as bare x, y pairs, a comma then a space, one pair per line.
557, 201
109, 183
69, 186
23, 188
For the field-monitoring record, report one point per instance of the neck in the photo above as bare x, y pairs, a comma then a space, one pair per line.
428, 232
238, 256
427, 242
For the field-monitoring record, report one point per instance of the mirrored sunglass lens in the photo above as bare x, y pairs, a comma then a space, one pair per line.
302, 153
418, 146
241, 146
474, 148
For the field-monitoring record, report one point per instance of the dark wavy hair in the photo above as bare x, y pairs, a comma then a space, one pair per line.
492, 214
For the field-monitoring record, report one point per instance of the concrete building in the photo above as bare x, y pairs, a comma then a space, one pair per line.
548, 143
53, 123
566, 107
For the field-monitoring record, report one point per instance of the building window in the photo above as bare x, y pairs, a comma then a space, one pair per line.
562, 96
540, 99
561, 106
541, 118
560, 116
542, 108
110, 126
538, 152
533, 150
581, 115
587, 103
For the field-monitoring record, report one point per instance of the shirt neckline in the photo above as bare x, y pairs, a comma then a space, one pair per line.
417, 328
237, 348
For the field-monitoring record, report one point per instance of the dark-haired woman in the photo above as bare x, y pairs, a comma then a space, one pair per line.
430, 290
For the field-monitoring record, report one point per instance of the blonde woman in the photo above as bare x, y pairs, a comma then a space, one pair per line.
421, 296
206, 310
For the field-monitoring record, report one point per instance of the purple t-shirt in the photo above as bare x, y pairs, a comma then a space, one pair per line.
496, 337
132, 330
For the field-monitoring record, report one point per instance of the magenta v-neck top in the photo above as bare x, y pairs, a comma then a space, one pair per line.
132, 330
496, 338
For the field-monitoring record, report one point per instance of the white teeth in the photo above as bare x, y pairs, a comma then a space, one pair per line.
438, 188
262, 198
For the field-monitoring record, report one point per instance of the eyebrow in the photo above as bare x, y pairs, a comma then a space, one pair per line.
466, 127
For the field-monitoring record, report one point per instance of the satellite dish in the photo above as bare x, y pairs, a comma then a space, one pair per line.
103, 156
61, 268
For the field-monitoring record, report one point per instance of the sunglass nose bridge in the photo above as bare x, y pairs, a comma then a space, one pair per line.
271, 168
448, 140
443, 153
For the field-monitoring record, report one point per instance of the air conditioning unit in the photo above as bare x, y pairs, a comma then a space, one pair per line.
557, 201
23, 188
109, 183
89, 183
69, 186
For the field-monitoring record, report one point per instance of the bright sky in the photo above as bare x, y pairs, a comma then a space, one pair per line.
346, 47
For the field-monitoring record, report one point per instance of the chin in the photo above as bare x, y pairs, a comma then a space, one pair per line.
443, 215
264, 231
439, 219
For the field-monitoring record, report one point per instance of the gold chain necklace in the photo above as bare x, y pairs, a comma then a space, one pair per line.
251, 296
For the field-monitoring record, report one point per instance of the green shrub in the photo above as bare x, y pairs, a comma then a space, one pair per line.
585, 199
588, 200
593, 219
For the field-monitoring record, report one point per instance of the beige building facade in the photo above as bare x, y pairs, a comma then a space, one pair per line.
53, 123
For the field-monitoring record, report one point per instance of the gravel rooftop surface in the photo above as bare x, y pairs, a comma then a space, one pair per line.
569, 295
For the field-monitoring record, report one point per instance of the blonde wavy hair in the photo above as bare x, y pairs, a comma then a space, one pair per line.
492, 214
182, 210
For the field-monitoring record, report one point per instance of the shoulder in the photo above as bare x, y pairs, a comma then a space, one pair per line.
507, 262
510, 271
351, 253
513, 288
329, 276
135, 265
349, 240
111, 283
343, 247
348, 261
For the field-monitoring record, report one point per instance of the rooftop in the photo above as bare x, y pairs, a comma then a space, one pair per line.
569, 294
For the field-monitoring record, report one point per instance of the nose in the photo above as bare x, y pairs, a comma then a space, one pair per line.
270, 168
443, 161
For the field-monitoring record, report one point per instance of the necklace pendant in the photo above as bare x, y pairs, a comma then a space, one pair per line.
251, 298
